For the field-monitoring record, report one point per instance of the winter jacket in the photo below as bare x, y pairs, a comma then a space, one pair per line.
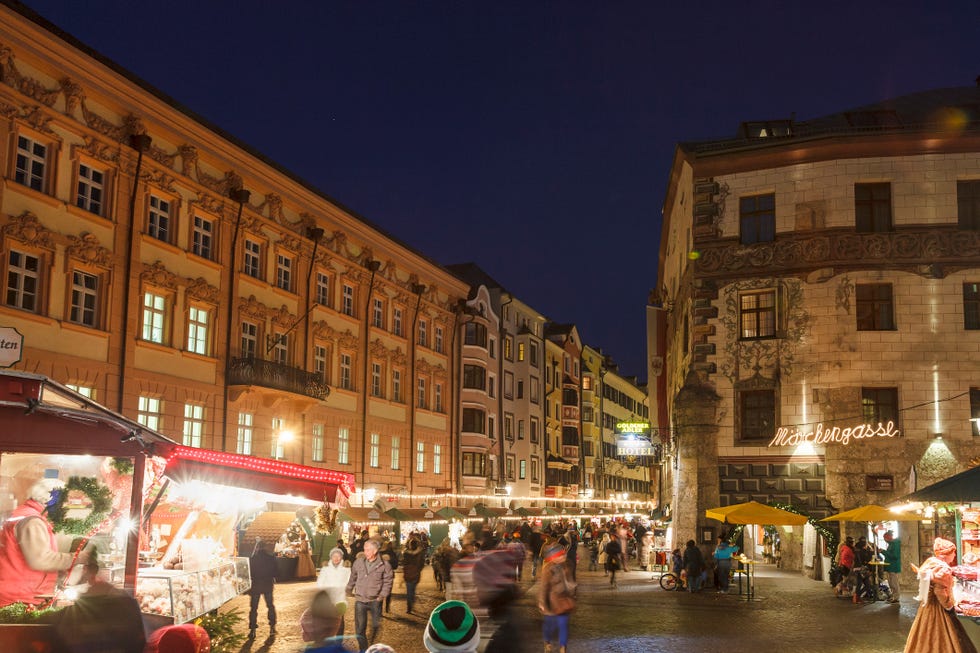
370, 581
333, 579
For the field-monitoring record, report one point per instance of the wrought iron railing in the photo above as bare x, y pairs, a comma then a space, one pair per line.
269, 374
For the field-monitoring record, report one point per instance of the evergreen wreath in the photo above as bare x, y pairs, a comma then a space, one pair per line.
100, 496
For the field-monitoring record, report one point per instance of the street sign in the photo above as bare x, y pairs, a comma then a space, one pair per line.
11, 346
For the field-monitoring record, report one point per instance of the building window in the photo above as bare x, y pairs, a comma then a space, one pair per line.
84, 299
757, 219
396, 452
284, 272
23, 280
509, 463
243, 443
492, 348
32, 161
520, 388
757, 315
159, 221
193, 424
968, 204
508, 385
491, 386
474, 377
396, 321
439, 340
534, 470
396, 386
971, 306
85, 391
280, 349
278, 441
197, 331
376, 379
203, 237
375, 451
320, 362
475, 334
758, 414
322, 289
253, 259
343, 446
474, 420
423, 333
875, 309
437, 397
587, 382
250, 339
492, 427
148, 412
317, 441
437, 459
154, 317
421, 393
975, 410
90, 189
508, 426
879, 405
534, 430
520, 351
873, 207
533, 349
346, 381
508, 348
420, 457
520, 429
378, 315
347, 308
522, 470
474, 464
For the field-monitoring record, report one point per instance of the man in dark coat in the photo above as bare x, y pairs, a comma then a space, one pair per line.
262, 565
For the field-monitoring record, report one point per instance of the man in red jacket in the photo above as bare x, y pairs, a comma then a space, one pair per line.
29, 557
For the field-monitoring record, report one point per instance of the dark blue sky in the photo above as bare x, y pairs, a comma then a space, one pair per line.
533, 138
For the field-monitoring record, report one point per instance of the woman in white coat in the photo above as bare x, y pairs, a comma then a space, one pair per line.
333, 579
602, 551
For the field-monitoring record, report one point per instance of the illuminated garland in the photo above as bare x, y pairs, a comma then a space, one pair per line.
100, 496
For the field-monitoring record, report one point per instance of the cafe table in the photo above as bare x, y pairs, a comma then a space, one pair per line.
746, 569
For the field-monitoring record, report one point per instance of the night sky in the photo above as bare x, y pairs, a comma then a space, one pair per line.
534, 138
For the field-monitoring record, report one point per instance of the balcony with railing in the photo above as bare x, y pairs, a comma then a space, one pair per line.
273, 375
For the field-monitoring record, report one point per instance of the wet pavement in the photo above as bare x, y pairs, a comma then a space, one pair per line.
789, 613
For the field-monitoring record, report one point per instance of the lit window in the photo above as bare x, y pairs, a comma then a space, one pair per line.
343, 445
520, 351
396, 452
378, 314
396, 385
23, 280
437, 459
154, 317
757, 315
346, 381
197, 331
284, 272
975, 410
90, 189
375, 450
376, 380
193, 424
879, 405
253, 259
158, 224
758, 414
203, 237
421, 393
84, 299
243, 444
32, 160
396, 322
523, 469
420, 457
320, 362
322, 289
280, 351
148, 413
423, 333
438, 344
508, 348
317, 443
83, 390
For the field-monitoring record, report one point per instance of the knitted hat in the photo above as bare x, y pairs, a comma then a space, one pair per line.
943, 548
336, 550
452, 628
379, 648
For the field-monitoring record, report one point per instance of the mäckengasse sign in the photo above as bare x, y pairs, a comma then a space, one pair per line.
791, 437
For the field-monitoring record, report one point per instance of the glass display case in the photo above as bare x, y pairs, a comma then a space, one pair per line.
185, 595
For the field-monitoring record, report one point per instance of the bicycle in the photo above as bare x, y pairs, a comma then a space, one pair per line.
672, 582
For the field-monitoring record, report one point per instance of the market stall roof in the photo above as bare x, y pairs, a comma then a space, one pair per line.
416, 515
449, 512
365, 516
263, 474
959, 488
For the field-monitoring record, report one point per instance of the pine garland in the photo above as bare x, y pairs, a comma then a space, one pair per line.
100, 496
25, 613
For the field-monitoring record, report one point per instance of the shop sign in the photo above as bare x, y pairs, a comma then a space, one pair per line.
11, 346
632, 427
636, 447
789, 437
879, 483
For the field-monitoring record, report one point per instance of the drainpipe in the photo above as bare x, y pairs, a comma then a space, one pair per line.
140, 143
418, 289
241, 196
373, 266
500, 396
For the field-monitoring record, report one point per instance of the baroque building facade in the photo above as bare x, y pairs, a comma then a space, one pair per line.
819, 309
172, 274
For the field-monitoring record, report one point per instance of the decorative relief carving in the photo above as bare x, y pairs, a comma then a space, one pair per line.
842, 298
38, 119
323, 331
210, 204
161, 156
282, 317
99, 150
291, 243
203, 291
378, 349
74, 95
101, 125
253, 308
398, 357
87, 248
8, 110
439, 372
158, 275
134, 125
188, 161
156, 177
389, 270
338, 243
28, 229
423, 366
273, 203
347, 340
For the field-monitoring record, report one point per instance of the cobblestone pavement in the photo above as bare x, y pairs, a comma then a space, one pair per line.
788, 613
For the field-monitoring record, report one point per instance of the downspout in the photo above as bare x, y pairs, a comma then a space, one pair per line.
241, 196
373, 266
314, 234
581, 429
455, 365
140, 143
500, 396
418, 289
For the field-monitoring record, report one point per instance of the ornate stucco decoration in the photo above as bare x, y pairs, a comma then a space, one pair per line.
291, 242
338, 243
842, 296
398, 356
423, 366
29, 86
158, 275
389, 271
38, 119
203, 291
156, 177
28, 229
99, 150
209, 203
282, 317
87, 248
773, 356
188, 161
347, 340
378, 349
439, 372
323, 331
272, 208
253, 308
101, 125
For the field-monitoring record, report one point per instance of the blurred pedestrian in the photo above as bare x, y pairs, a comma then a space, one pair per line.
333, 578
104, 618
556, 599
614, 558
693, 565
263, 568
183, 638
452, 628
388, 554
370, 583
322, 619
413, 559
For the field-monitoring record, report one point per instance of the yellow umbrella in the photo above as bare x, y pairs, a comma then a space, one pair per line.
873, 513
753, 512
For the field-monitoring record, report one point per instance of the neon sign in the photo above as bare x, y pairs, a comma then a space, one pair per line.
632, 427
786, 437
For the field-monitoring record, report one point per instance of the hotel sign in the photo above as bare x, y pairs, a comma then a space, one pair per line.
11, 346
790, 437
